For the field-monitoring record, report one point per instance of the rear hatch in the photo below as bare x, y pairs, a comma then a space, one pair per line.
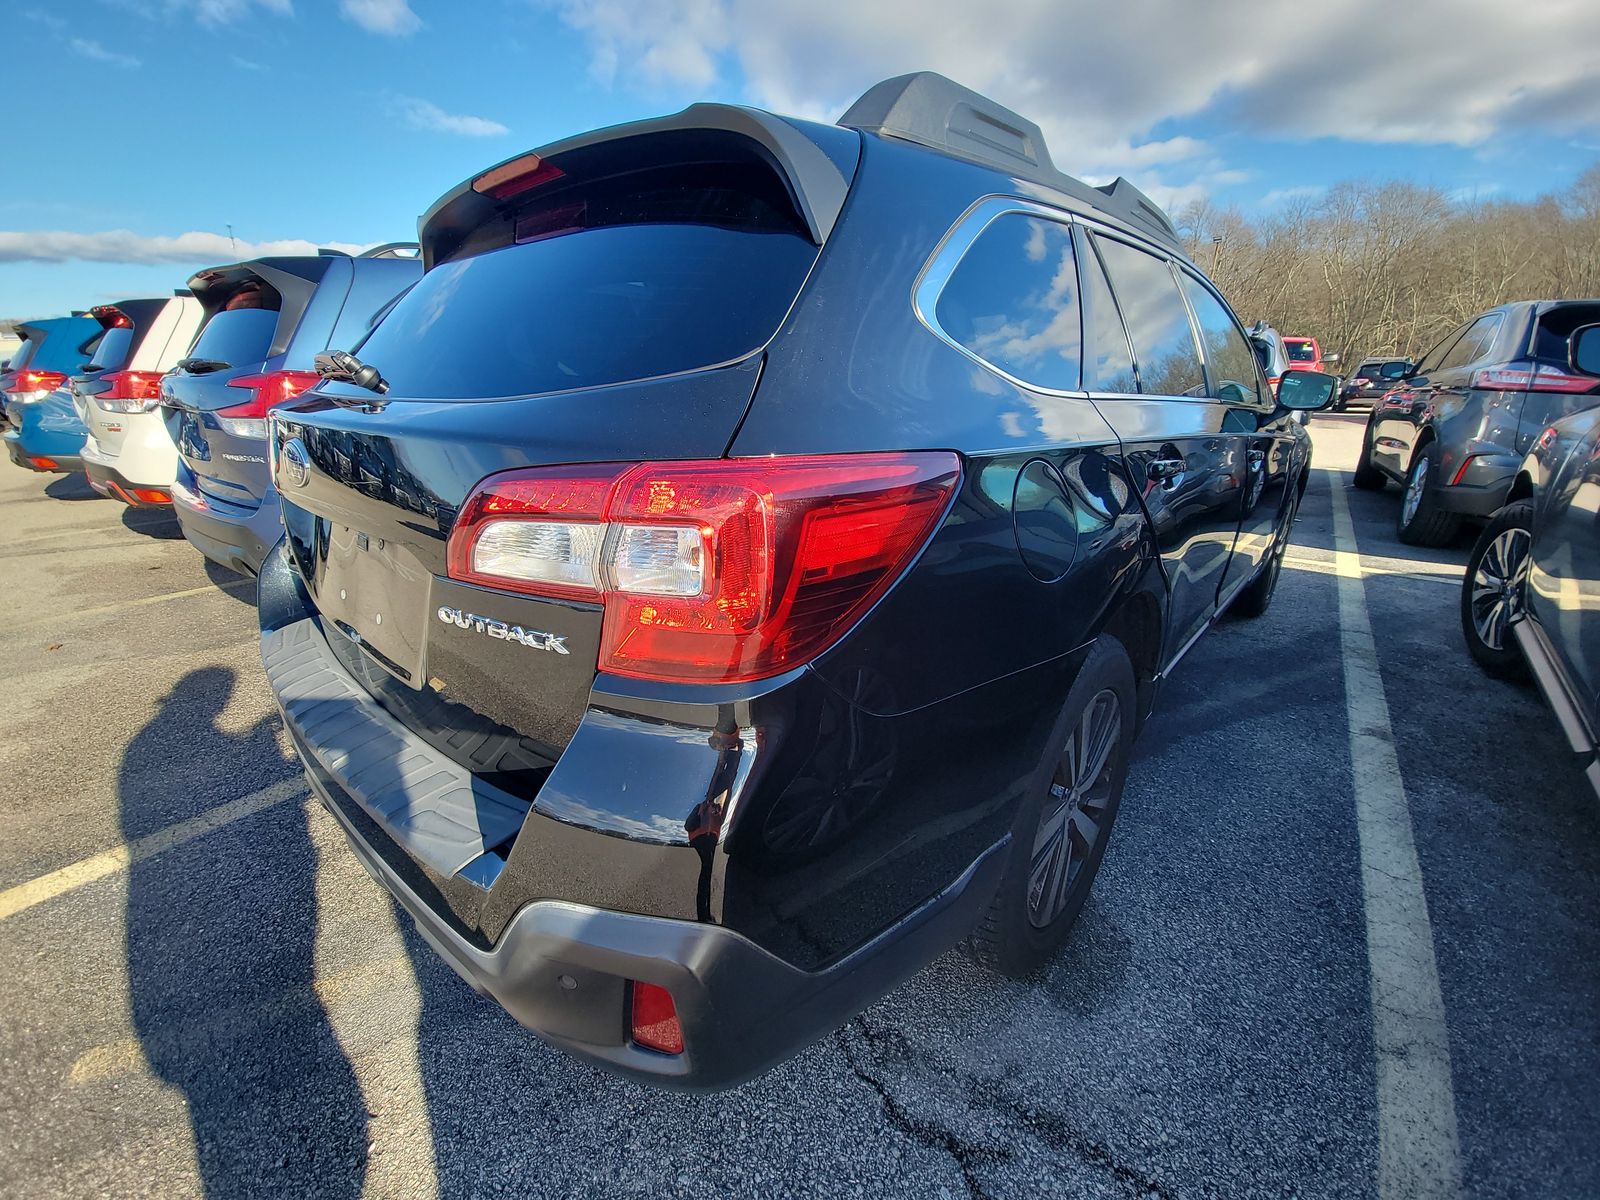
605, 304
125, 327
52, 350
251, 312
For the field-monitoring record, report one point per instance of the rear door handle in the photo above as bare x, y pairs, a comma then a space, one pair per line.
1168, 470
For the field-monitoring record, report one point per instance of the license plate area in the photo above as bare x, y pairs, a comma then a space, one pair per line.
376, 594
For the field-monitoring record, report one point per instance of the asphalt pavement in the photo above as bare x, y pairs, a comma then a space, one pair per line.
201, 992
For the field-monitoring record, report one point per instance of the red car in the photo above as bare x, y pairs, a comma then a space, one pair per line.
1305, 354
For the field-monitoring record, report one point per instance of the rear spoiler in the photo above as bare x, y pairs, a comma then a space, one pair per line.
293, 277
139, 312
816, 182
930, 110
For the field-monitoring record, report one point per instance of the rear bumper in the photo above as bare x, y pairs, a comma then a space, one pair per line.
235, 537
109, 481
145, 456
25, 455
562, 970
414, 816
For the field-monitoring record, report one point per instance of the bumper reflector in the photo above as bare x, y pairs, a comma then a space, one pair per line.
44, 464
151, 496
654, 1023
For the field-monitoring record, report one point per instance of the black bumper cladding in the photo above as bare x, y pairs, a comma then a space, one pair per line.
562, 969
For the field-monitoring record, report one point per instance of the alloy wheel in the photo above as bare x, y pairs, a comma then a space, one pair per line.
1074, 811
1415, 486
1497, 585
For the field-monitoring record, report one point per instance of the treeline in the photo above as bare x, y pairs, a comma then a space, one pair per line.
1388, 268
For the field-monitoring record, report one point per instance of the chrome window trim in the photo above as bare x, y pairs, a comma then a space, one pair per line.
952, 248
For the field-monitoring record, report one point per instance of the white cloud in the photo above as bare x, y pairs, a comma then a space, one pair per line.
226, 12
125, 246
1099, 76
391, 17
246, 64
420, 114
95, 52
1305, 191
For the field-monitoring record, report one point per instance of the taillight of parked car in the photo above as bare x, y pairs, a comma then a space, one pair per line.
32, 386
249, 419
130, 391
1540, 378
717, 571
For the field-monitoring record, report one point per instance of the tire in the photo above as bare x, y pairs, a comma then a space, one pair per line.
1421, 522
1257, 595
1032, 913
1368, 478
1492, 590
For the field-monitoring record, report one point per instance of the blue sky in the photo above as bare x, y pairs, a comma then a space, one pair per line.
151, 125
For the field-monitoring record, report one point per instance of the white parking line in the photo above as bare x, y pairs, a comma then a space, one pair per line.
140, 602
1418, 1152
108, 862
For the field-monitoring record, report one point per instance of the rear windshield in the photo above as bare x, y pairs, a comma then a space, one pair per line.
661, 271
1301, 351
240, 337
64, 351
113, 349
1559, 324
1384, 370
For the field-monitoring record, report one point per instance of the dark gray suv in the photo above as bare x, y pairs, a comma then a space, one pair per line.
1455, 429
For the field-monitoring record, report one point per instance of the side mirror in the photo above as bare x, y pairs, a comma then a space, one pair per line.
1330, 358
1306, 391
1583, 350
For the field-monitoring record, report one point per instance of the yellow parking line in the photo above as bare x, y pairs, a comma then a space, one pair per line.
141, 602
108, 862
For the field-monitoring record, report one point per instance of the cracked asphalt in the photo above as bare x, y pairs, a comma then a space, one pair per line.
237, 1009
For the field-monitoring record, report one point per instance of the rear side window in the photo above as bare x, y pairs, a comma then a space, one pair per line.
112, 352
630, 277
1475, 344
1157, 320
1229, 358
1108, 366
1430, 360
1013, 301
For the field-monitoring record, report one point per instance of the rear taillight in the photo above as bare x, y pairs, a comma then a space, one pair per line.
718, 571
130, 391
30, 386
1540, 378
275, 387
653, 1019
515, 177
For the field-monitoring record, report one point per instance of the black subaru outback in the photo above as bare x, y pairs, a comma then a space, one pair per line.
736, 572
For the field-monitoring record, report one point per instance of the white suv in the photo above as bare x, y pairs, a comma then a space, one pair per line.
129, 453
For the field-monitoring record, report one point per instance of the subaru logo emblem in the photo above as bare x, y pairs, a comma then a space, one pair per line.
295, 467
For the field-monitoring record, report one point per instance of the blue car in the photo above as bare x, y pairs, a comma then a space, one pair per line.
43, 432
263, 323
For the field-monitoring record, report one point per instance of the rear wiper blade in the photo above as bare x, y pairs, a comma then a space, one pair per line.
344, 367
202, 366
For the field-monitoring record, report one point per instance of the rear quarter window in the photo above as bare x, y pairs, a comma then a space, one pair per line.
112, 352
1012, 301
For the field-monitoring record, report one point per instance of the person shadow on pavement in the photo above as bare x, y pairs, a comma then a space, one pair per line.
220, 935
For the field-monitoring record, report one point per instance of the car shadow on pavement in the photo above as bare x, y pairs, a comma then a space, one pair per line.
71, 487
220, 933
241, 587
157, 523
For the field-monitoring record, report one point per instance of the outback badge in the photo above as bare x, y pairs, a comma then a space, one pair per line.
535, 638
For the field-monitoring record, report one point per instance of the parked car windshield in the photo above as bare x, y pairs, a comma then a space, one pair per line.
601, 288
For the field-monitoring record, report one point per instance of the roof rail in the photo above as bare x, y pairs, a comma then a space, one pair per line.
406, 250
936, 112
329, 252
